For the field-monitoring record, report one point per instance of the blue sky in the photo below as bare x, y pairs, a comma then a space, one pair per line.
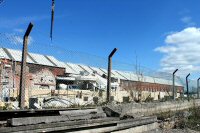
142, 27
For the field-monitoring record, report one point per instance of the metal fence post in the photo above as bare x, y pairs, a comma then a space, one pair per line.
198, 87
23, 68
174, 90
187, 87
109, 73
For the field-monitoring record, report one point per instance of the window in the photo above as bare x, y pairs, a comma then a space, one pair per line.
44, 87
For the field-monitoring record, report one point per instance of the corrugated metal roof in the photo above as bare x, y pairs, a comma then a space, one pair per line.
3, 54
50, 60
98, 70
17, 55
56, 62
88, 69
41, 59
31, 58
133, 77
129, 75
149, 79
162, 81
124, 75
76, 67
68, 69
8, 53
106, 72
118, 75
121, 75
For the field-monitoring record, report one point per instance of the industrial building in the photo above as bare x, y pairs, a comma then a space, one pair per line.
47, 76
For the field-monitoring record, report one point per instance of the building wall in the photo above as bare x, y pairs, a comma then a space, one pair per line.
144, 86
42, 79
6, 80
38, 76
41, 75
143, 90
56, 71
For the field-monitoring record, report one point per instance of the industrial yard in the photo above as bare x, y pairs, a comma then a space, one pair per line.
99, 66
61, 94
77, 84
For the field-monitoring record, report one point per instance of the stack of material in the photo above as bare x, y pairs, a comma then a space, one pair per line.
87, 120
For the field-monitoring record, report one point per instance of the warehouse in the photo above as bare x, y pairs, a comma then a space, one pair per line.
41, 72
48, 76
142, 86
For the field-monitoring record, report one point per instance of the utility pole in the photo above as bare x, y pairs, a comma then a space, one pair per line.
187, 87
174, 89
198, 88
23, 68
109, 74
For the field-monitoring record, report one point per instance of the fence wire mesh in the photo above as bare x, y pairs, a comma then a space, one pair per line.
58, 78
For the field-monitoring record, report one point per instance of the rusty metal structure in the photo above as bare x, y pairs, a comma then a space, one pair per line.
187, 87
174, 89
198, 87
109, 73
23, 67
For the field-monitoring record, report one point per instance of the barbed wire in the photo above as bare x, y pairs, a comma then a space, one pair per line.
45, 47
1, 1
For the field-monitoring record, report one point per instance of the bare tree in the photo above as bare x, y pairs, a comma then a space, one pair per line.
136, 89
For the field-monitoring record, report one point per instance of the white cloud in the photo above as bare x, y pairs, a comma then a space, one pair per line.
16, 39
19, 30
30, 40
188, 21
181, 51
17, 21
13, 22
184, 11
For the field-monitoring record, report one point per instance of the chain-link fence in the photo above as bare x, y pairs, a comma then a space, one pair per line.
58, 78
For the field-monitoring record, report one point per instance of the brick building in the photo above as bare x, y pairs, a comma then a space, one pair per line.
46, 73
42, 71
142, 86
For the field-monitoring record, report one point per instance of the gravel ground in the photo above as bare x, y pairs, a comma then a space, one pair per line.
172, 131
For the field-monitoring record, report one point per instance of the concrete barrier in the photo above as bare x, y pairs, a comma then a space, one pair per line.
147, 109
52, 119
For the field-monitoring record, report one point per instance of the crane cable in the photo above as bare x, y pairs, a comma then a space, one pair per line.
52, 18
